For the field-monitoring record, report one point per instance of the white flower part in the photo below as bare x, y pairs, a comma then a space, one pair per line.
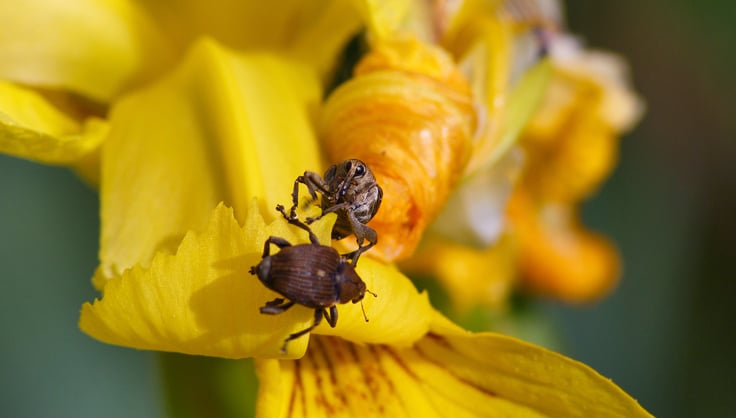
620, 106
527, 51
475, 212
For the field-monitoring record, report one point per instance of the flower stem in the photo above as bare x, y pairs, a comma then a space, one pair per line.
197, 387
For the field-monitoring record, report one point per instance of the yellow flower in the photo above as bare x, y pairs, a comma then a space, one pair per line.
448, 372
516, 220
180, 123
571, 145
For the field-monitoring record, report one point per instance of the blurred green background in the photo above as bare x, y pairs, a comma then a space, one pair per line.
666, 335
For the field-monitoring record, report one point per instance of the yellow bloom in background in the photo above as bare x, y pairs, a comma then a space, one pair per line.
515, 220
175, 108
571, 145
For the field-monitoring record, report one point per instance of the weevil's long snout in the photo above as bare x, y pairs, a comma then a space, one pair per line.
346, 185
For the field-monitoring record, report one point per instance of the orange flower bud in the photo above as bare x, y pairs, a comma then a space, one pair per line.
408, 114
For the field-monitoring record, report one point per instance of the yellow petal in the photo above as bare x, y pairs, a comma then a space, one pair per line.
483, 45
558, 256
496, 46
525, 374
204, 301
31, 127
471, 276
571, 144
447, 373
383, 18
221, 127
572, 140
313, 31
620, 106
201, 300
399, 315
521, 103
570, 164
329, 25
94, 48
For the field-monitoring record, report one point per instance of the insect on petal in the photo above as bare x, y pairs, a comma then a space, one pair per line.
202, 300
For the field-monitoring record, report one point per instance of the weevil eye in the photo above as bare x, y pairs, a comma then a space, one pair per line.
359, 171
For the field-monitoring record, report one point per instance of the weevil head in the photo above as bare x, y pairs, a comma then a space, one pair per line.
350, 287
348, 175
361, 293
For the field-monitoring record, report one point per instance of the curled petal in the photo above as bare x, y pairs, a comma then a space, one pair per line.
449, 372
412, 123
32, 127
618, 104
569, 167
572, 140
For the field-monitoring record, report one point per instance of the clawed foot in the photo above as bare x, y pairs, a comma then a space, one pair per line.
292, 212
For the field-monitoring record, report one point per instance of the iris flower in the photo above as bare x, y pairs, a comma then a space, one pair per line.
193, 121
515, 223
571, 144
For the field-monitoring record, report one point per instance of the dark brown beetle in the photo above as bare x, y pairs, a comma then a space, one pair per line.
313, 275
350, 190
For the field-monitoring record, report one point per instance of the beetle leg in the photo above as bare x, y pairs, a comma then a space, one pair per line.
277, 301
362, 232
334, 208
317, 319
276, 306
332, 316
314, 183
296, 222
279, 242
295, 195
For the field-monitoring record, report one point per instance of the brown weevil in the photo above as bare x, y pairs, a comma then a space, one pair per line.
349, 189
312, 275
